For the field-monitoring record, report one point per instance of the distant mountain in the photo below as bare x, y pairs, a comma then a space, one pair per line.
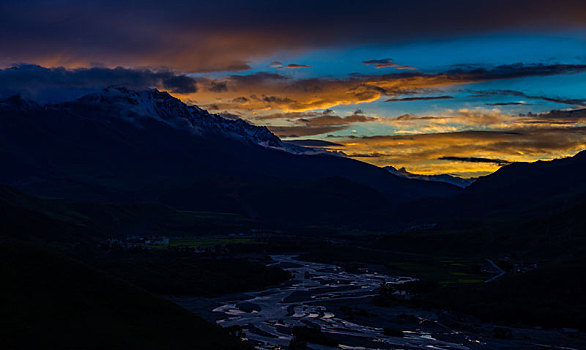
147, 146
516, 192
527, 184
454, 180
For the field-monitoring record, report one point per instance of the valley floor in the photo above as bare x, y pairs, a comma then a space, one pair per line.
341, 305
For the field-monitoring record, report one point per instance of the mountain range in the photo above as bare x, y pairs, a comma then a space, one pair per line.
121, 145
125, 146
122, 162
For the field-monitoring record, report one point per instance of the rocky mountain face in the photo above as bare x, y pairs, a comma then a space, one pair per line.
136, 105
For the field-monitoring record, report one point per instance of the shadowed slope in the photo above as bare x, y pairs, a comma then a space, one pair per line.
126, 149
50, 301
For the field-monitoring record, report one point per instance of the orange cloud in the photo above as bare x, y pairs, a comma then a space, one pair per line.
437, 153
452, 144
300, 124
275, 92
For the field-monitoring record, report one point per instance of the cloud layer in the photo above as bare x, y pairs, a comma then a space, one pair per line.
301, 124
475, 160
468, 141
520, 94
48, 84
271, 91
454, 144
225, 35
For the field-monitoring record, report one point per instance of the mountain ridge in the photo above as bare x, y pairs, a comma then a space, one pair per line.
454, 180
122, 145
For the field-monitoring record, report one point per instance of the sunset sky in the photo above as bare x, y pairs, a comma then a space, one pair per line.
459, 87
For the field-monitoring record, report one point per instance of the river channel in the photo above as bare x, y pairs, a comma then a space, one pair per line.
267, 316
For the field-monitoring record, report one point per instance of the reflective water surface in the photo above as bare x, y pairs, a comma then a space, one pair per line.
267, 316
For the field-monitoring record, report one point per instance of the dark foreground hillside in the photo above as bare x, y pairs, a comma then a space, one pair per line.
52, 302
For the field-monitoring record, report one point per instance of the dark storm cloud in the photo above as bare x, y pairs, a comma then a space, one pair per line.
223, 35
32, 76
219, 86
517, 70
478, 74
476, 160
36, 80
181, 84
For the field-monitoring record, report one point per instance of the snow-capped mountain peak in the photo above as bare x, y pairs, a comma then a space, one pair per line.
165, 108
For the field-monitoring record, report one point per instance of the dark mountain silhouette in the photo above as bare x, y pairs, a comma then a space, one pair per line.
523, 190
520, 184
519, 191
146, 146
454, 180
122, 161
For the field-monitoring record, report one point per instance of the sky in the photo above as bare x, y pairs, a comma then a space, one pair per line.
454, 86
